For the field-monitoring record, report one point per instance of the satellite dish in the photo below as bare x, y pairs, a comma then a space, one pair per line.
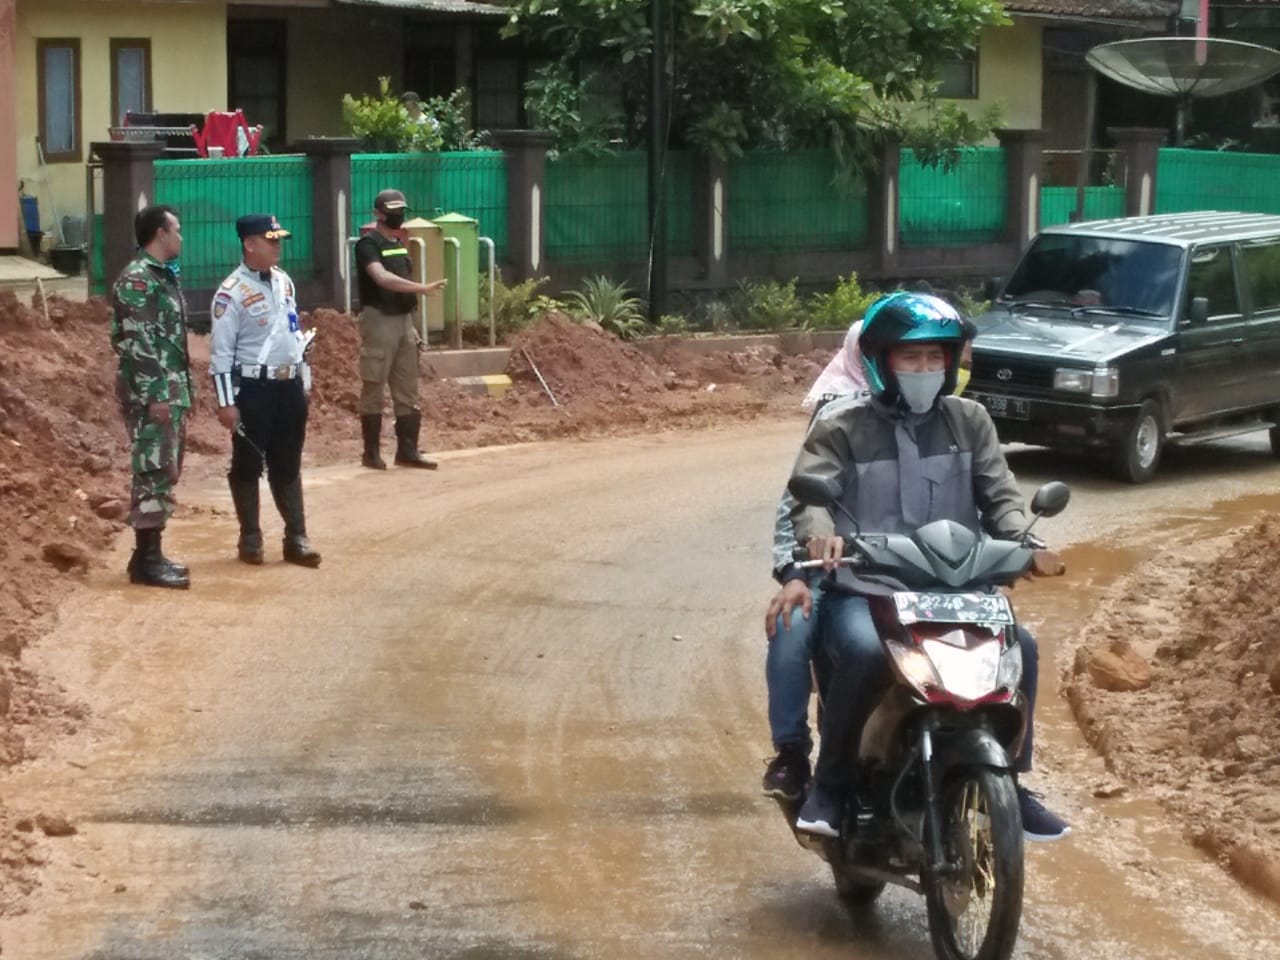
1184, 67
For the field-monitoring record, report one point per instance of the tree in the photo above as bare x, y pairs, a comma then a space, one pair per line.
783, 73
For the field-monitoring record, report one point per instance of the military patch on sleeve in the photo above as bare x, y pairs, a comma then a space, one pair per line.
140, 285
220, 303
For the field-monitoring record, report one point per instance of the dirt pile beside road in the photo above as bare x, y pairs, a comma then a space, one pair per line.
1178, 686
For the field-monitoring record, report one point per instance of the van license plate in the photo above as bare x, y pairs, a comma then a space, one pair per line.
1011, 408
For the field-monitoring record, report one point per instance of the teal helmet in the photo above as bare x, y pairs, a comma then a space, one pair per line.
908, 318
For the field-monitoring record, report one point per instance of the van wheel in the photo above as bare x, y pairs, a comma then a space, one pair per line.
1139, 452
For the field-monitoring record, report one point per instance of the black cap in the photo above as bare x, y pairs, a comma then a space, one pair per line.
261, 225
390, 200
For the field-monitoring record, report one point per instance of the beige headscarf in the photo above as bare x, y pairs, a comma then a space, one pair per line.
843, 375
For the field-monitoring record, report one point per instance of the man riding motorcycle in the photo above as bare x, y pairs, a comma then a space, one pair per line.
911, 455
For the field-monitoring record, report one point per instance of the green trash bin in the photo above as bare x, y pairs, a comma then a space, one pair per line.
463, 292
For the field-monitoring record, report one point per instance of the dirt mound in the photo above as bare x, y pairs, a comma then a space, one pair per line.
579, 361
1202, 727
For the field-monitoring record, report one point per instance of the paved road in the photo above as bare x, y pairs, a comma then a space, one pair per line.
518, 713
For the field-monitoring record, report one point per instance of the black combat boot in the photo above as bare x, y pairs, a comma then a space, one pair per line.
179, 568
371, 428
148, 566
288, 499
244, 494
407, 454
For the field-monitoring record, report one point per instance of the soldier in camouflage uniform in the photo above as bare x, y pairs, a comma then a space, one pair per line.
153, 386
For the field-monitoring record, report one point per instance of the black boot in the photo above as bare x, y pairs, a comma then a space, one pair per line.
371, 428
244, 494
407, 454
288, 499
148, 566
179, 568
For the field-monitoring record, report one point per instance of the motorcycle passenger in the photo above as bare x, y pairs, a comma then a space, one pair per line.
909, 456
793, 617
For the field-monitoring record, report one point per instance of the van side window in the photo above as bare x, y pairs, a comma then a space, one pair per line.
1262, 267
1212, 276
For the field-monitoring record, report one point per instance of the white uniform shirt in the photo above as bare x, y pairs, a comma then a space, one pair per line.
254, 324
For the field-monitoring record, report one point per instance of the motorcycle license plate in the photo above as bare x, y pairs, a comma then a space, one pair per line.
953, 608
1011, 408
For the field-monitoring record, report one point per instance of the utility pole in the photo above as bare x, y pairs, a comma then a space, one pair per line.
657, 164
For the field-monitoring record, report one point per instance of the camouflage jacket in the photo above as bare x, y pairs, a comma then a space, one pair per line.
149, 335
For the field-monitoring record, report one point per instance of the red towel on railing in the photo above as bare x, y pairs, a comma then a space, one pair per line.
231, 132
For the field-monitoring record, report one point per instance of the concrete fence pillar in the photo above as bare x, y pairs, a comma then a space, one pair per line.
1141, 147
883, 208
1024, 158
526, 152
128, 185
710, 218
331, 206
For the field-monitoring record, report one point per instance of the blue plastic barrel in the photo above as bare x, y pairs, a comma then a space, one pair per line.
31, 214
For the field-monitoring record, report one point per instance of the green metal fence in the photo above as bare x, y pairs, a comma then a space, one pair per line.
964, 205
597, 208
473, 184
1217, 180
1057, 204
210, 194
788, 202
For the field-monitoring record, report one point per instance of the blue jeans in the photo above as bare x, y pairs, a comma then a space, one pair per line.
786, 674
860, 670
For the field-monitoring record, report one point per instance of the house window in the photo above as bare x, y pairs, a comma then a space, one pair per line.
58, 98
497, 93
130, 78
959, 78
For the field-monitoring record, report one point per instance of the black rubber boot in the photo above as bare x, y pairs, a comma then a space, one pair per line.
148, 566
407, 454
297, 549
244, 494
371, 428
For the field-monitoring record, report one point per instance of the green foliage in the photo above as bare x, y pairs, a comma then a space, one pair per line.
766, 306
673, 325
771, 73
555, 101
383, 125
514, 307
610, 305
841, 306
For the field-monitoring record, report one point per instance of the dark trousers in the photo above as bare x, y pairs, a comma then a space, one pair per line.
274, 414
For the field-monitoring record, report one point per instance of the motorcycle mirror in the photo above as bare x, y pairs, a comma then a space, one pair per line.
1051, 499
815, 491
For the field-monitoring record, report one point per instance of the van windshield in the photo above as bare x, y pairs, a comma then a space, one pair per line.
1127, 276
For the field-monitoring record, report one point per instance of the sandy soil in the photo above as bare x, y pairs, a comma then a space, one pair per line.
1176, 682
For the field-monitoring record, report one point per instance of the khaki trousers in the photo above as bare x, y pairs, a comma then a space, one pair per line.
388, 357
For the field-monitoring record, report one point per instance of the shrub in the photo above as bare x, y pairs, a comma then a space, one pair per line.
673, 325
383, 125
839, 308
610, 305
514, 307
767, 306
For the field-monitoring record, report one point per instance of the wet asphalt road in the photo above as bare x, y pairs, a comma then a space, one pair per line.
519, 713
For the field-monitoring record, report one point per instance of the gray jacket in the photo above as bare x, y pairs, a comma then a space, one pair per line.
900, 471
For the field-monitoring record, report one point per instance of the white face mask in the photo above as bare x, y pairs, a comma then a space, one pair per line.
920, 390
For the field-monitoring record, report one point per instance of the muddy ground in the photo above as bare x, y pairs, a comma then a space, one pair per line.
1194, 716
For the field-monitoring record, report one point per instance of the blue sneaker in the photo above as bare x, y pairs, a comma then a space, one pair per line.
820, 813
1039, 824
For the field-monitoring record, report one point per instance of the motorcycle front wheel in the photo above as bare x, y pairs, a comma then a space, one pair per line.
976, 904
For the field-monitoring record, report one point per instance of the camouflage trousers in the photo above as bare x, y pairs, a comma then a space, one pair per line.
156, 460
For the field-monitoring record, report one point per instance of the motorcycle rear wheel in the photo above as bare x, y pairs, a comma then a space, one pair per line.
974, 911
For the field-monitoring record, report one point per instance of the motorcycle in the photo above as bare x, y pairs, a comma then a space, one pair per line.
936, 809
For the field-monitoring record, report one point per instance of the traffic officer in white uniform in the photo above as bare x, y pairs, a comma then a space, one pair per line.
261, 380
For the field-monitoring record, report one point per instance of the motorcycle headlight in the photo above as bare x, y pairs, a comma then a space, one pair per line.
1010, 675
969, 673
914, 666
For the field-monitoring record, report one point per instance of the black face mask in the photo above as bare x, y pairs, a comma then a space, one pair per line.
394, 219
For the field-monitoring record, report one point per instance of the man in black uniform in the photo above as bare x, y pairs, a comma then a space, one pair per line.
261, 380
388, 341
